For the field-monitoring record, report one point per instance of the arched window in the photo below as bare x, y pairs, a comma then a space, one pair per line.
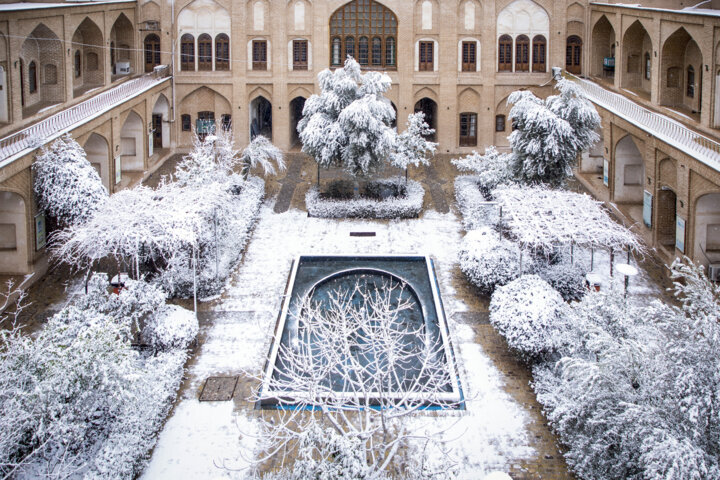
78, 64
152, 52
539, 54
390, 52
690, 87
354, 23
648, 66
222, 52
376, 51
32, 77
204, 52
505, 53
363, 51
522, 53
187, 53
112, 54
336, 45
573, 52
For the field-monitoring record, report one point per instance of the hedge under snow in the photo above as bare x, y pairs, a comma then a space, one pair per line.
408, 206
530, 314
475, 209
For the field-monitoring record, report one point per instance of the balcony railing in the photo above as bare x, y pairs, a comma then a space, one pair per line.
660, 126
67, 119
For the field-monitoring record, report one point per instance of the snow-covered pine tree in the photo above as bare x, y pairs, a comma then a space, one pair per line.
549, 135
348, 123
68, 188
412, 147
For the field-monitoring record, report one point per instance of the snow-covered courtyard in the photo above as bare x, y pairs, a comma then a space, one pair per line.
496, 432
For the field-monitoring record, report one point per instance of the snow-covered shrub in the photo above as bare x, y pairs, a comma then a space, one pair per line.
348, 123
568, 279
474, 207
171, 328
408, 206
382, 189
637, 396
489, 260
531, 315
67, 187
261, 152
489, 171
133, 304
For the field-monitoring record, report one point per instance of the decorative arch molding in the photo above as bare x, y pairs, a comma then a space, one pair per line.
522, 37
642, 22
425, 92
299, 92
523, 17
469, 16
667, 173
150, 11
470, 98
576, 12
204, 88
365, 30
639, 144
260, 92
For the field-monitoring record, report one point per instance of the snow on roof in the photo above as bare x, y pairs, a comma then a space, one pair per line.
541, 218
694, 10
12, 7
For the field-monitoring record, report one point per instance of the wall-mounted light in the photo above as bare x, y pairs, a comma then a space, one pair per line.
649, 181
655, 52
682, 205
707, 69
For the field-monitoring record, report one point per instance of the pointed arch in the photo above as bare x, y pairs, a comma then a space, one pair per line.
603, 48
636, 44
354, 24
43, 49
97, 150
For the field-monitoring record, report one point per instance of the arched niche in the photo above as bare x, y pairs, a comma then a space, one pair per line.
629, 172
98, 154
603, 49
87, 41
13, 234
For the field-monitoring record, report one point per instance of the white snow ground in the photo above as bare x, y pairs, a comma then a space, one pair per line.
492, 433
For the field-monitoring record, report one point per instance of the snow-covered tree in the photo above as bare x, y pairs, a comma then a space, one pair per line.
491, 169
261, 152
67, 187
412, 146
637, 394
365, 366
549, 135
348, 123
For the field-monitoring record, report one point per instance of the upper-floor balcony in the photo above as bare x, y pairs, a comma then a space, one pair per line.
20, 143
662, 127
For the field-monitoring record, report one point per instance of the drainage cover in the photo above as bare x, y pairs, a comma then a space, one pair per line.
218, 389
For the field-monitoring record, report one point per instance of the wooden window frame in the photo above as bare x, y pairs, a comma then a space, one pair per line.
522, 53
222, 52
32, 77
539, 54
690, 83
152, 52
468, 124
647, 66
500, 120
187, 53
259, 55
185, 122
573, 54
367, 20
300, 54
426, 56
77, 64
204, 53
505, 53
469, 56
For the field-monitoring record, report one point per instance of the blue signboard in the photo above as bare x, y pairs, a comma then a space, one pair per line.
680, 233
647, 208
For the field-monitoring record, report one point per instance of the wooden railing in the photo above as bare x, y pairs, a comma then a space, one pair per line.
660, 126
33, 135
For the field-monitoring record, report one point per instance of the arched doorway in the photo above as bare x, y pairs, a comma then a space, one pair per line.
13, 234
629, 172
122, 47
573, 54
261, 118
707, 229
429, 108
603, 49
637, 69
132, 144
296, 113
667, 210
41, 56
680, 55
160, 126
88, 57
98, 154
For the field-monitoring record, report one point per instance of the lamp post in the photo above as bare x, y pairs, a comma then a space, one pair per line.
628, 271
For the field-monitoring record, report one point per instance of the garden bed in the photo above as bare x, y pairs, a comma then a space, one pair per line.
408, 205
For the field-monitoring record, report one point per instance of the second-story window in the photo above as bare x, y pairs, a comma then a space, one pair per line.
365, 30
152, 52
648, 66
690, 88
426, 57
259, 55
205, 52
78, 64
222, 52
336, 58
32, 77
522, 53
187, 53
539, 53
300, 55
505, 53
469, 56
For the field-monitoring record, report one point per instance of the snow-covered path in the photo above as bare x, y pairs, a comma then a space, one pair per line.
237, 329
